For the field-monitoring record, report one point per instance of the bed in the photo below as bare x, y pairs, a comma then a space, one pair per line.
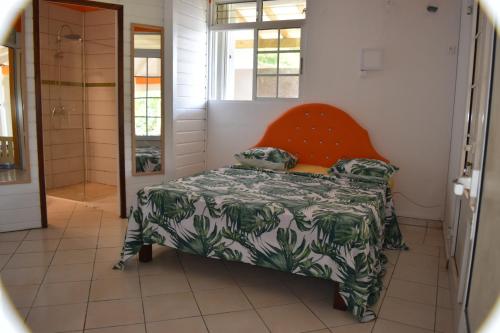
331, 227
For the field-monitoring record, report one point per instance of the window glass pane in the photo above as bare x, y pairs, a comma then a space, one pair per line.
267, 63
154, 67
279, 10
238, 55
268, 40
140, 86
239, 12
147, 41
266, 86
154, 87
140, 126
290, 63
288, 87
140, 107
140, 66
290, 39
154, 107
154, 126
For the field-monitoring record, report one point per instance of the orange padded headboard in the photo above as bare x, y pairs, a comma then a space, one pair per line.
319, 134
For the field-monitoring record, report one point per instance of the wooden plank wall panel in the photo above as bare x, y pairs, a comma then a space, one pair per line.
190, 86
19, 203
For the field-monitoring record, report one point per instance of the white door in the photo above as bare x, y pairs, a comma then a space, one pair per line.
467, 186
484, 283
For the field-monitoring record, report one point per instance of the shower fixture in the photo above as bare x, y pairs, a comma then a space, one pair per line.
70, 36
60, 109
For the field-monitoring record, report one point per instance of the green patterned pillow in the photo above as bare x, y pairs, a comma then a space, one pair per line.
364, 167
267, 157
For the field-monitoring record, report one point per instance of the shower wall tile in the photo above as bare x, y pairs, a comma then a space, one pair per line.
46, 137
103, 46
44, 24
101, 31
102, 136
43, 8
59, 136
68, 178
76, 26
103, 164
99, 17
63, 14
100, 60
96, 61
68, 94
102, 122
103, 75
65, 165
104, 108
71, 59
102, 150
101, 93
103, 177
67, 150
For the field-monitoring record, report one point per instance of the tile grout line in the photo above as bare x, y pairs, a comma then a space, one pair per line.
247, 298
191, 289
403, 323
304, 303
142, 297
50, 263
437, 291
92, 275
15, 250
386, 291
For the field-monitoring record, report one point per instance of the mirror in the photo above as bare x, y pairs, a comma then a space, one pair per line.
13, 143
147, 100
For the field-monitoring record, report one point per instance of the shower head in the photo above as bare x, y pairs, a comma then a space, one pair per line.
70, 36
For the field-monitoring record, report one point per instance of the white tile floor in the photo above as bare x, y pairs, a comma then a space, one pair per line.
61, 280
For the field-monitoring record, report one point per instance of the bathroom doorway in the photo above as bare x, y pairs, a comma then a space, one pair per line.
80, 110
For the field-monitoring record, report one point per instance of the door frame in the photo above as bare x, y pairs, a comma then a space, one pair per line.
120, 101
493, 67
460, 280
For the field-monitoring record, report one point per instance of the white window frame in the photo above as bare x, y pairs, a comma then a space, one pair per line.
216, 63
147, 54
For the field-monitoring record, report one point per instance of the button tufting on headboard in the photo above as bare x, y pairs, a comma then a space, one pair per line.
319, 134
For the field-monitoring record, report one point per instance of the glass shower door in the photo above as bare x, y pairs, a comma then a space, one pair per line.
63, 94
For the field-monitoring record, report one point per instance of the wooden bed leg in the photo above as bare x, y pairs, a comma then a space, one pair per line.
146, 253
338, 302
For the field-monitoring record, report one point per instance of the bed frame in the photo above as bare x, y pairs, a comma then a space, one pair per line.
318, 134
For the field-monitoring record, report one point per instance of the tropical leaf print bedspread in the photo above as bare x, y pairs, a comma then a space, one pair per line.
330, 227
147, 159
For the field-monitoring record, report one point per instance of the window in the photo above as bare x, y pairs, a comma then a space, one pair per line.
147, 85
256, 49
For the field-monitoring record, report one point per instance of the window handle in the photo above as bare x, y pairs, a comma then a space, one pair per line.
301, 65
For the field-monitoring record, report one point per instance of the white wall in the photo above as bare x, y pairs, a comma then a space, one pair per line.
189, 86
406, 108
458, 131
19, 204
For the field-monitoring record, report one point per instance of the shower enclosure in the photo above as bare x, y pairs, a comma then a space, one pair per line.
77, 50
